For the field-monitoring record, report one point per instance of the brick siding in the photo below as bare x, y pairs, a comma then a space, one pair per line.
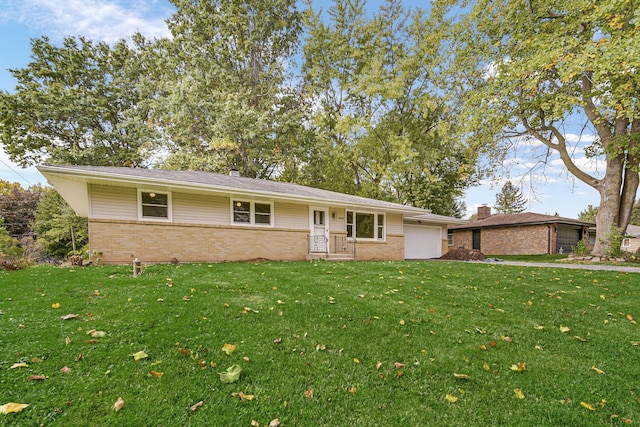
520, 240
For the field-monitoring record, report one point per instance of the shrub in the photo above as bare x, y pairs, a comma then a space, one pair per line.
581, 248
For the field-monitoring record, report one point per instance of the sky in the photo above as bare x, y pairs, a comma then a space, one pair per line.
551, 192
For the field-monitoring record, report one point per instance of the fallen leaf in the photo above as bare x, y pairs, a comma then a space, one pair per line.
353, 390
461, 376
506, 339
308, 393
277, 341
451, 398
519, 393
119, 404
18, 365
274, 423
36, 360
185, 298
228, 348
36, 378
378, 364
246, 359
97, 334
69, 316
184, 351
485, 366
65, 369
155, 374
398, 365
599, 371
483, 347
493, 344
588, 406
55, 305
140, 355
580, 339
564, 329
10, 407
254, 423
231, 375
245, 397
402, 322
197, 406
520, 367
92, 341
67, 340
356, 360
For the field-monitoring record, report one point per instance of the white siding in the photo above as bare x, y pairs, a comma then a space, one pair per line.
289, 215
200, 209
394, 223
113, 202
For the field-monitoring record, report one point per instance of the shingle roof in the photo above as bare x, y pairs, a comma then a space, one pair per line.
208, 180
526, 218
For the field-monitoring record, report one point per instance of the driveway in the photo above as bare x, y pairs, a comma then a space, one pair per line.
596, 267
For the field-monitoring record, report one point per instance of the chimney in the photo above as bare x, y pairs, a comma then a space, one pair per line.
234, 172
484, 212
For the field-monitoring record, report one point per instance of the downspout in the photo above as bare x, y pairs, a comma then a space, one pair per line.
548, 240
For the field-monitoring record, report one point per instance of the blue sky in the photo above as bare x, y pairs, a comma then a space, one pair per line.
109, 20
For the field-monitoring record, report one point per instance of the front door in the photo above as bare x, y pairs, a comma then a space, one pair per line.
319, 225
476, 240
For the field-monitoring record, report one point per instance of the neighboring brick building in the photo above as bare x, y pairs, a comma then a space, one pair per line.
518, 234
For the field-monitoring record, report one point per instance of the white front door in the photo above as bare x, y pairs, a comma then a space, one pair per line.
319, 226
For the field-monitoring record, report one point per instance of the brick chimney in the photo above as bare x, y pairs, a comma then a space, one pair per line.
484, 212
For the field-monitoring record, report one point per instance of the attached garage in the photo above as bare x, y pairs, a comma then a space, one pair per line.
422, 242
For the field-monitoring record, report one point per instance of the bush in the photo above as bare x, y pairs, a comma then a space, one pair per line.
581, 248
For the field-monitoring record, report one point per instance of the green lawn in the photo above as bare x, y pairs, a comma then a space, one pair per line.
321, 344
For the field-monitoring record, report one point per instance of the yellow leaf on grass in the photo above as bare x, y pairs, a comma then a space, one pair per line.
451, 398
402, 322
564, 329
588, 406
119, 404
67, 340
228, 348
155, 374
55, 305
245, 397
10, 407
356, 360
461, 376
18, 365
520, 367
519, 393
140, 355
599, 371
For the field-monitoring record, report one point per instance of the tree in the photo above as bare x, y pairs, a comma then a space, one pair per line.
58, 226
79, 103
589, 214
382, 130
18, 207
532, 70
225, 101
510, 200
635, 213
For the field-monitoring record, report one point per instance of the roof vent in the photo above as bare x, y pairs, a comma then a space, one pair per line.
234, 172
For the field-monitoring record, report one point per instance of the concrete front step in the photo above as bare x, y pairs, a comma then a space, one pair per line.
330, 257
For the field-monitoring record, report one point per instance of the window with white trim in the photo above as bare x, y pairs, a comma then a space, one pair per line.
154, 205
449, 238
251, 213
365, 225
626, 242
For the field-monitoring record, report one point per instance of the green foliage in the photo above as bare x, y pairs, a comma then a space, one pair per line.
226, 101
510, 200
382, 129
18, 207
79, 103
581, 248
524, 70
616, 237
11, 254
302, 327
635, 213
53, 224
588, 214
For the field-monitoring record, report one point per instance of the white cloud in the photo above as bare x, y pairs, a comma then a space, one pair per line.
99, 20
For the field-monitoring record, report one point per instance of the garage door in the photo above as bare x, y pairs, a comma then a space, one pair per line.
422, 242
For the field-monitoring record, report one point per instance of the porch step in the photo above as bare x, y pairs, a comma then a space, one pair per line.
330, 257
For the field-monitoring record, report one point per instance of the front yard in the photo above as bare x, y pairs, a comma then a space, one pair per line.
322, 344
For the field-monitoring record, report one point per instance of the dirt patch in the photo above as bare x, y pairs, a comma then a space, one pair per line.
464, 255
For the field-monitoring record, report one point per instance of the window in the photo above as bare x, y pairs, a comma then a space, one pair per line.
626, 242
252, 213
450, 238
363, 225
155, 205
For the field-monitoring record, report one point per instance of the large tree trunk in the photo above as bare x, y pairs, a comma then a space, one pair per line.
610, 188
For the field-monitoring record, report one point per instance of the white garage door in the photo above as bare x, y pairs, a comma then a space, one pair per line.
422, 242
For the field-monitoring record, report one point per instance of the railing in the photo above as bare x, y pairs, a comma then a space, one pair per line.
318, 244
344, 245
